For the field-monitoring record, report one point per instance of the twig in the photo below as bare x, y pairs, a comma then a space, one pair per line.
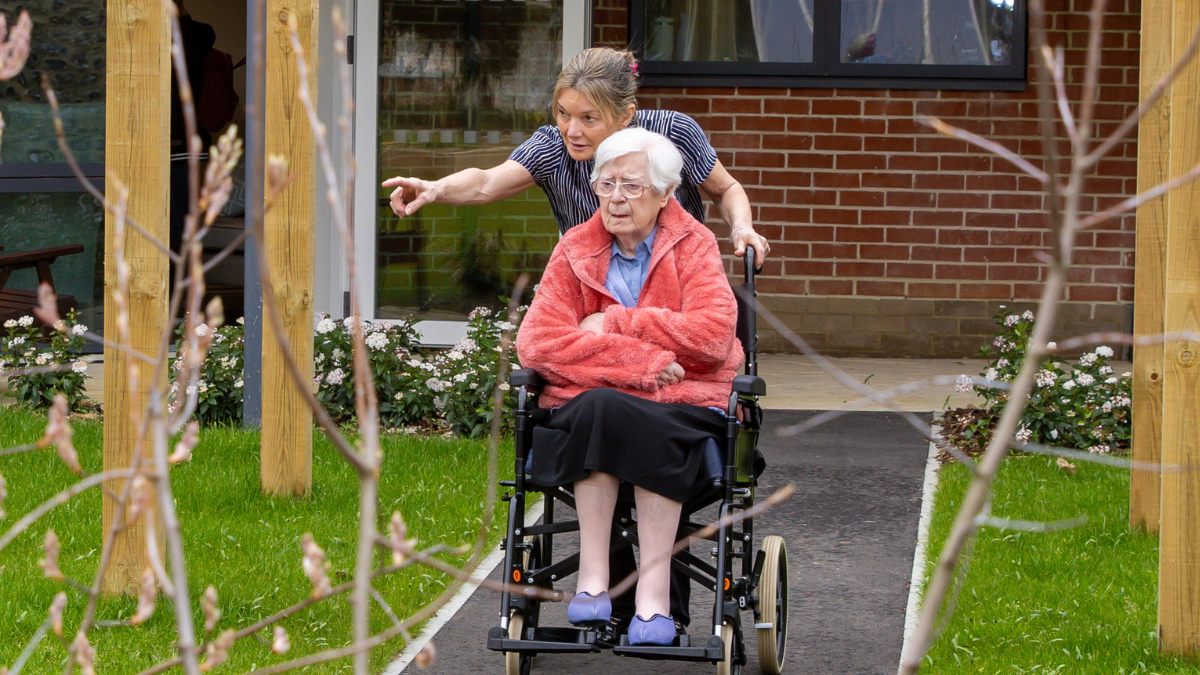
991, 146
1137, 200
30, 648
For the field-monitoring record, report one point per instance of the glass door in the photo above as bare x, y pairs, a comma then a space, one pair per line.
459, 83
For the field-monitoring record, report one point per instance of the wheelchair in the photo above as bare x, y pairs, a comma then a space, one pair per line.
758, 584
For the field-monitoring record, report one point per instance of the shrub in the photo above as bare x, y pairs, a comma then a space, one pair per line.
220, 386
1081, 405
28, 347
389, 348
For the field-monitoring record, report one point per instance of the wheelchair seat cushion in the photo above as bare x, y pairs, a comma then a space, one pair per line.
659, 447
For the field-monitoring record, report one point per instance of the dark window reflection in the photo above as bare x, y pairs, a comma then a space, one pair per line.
729, 30
931, 32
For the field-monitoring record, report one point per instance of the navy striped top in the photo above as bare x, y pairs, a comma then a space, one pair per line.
565, 180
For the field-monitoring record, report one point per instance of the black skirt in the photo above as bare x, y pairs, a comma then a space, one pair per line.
659, 447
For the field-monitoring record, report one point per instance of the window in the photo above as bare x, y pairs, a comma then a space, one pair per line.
901, 44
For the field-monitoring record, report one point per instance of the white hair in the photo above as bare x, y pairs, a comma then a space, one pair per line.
664, 163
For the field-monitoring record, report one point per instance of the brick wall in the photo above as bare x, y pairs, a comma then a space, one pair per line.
890, 239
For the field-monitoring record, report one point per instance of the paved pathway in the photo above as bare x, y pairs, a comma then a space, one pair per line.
850, 529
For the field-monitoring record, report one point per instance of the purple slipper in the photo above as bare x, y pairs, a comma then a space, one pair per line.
659, 630
586, 609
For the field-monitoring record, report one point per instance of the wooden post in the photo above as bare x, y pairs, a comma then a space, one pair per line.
1179, 547
137, 150
1150, 271
290, 231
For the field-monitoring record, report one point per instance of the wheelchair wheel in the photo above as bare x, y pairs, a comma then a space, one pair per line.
516, 663
729, 666
772, 603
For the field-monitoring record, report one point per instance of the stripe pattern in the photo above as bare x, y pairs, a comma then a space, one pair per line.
565, 180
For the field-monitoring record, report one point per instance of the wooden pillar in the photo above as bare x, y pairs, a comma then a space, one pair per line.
1179, 547
137, 151
1150, 271
288, 241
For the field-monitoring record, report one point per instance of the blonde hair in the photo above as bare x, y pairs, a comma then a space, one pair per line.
606, 76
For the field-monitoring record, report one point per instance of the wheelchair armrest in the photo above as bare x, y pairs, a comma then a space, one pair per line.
526, 377
750, 384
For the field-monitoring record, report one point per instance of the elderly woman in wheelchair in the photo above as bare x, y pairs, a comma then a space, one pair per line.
633, 337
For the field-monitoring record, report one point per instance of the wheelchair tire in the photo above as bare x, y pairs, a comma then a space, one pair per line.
730, 665
773, 603
516, 663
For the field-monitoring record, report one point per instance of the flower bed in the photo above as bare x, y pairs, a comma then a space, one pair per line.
45, 365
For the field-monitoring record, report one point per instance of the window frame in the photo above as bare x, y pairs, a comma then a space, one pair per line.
826, 71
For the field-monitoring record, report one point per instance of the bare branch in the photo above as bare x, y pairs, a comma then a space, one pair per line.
1091, 74
1137, 200
991, 146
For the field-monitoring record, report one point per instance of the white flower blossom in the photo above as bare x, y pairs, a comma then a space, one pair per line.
1045, 378
11, 323
454, 355
80, 366
335, 376
963, 384
435, 385
17, 341
241, 321
1107, 406
349, 323
337, 355
203, 386
479, 312
1099, 450
1122, 401
1105, 351
1085, 380
504, 386
377, 340
25, 321
1054, 434
78, 330
1011, 320
1087, 359
1126, 374
42, 358
428, 367
1027, 315
1068, 385
1105, 370
466, 345
439, 403
1051, 345
325, 325
1002, 363
1111, 380
992, 374
219, 337
414, 363
1023, 435
505, 325
474, 385
191, 390
461, 377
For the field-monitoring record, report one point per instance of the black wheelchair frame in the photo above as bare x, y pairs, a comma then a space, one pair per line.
759, 586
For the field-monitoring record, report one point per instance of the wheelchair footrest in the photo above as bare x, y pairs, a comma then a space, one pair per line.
713, 650
545, 641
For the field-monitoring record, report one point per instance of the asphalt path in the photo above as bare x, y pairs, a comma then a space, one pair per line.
850, 529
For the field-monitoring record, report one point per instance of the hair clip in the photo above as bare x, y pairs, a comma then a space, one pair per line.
633, 67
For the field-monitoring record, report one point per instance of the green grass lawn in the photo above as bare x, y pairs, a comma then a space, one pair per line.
245, 544
1082, 600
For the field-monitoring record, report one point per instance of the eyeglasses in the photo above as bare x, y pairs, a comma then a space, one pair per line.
605, 188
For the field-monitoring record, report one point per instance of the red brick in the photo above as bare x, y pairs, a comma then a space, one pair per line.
888, 108
1116, 240
807, 233
909, 271
836, 216
961, 200
914, 199
885, 217
834, 251
762, 196
991, 182
808, 268
1022, 202
809, 160
1092, 293
757, 123
761, 159
785, 179
790, 251
1013, 273
859, 162
880, 288
888, 144
846, 268
940, 219
786, 142
835, 180
860, 125
725, 141
787, 214
859, 234
1035, 256
838, 143
887, 180
867, 198
785, 106
899, 126
940, 145
962, 237
737, 105
937, 253
761, 92
989, 255
837, 106
975, 272
932, 290
985, 292
1085, 257
966, 163
911, 235
938, 181
821, 197
990, 219
912, 163
810, 125
830, 287
691, 106
882, 252
942, 108
1027, 291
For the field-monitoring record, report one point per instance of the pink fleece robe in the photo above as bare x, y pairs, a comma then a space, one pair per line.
686, 313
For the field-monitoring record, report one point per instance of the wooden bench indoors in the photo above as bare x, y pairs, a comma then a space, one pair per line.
16, 303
